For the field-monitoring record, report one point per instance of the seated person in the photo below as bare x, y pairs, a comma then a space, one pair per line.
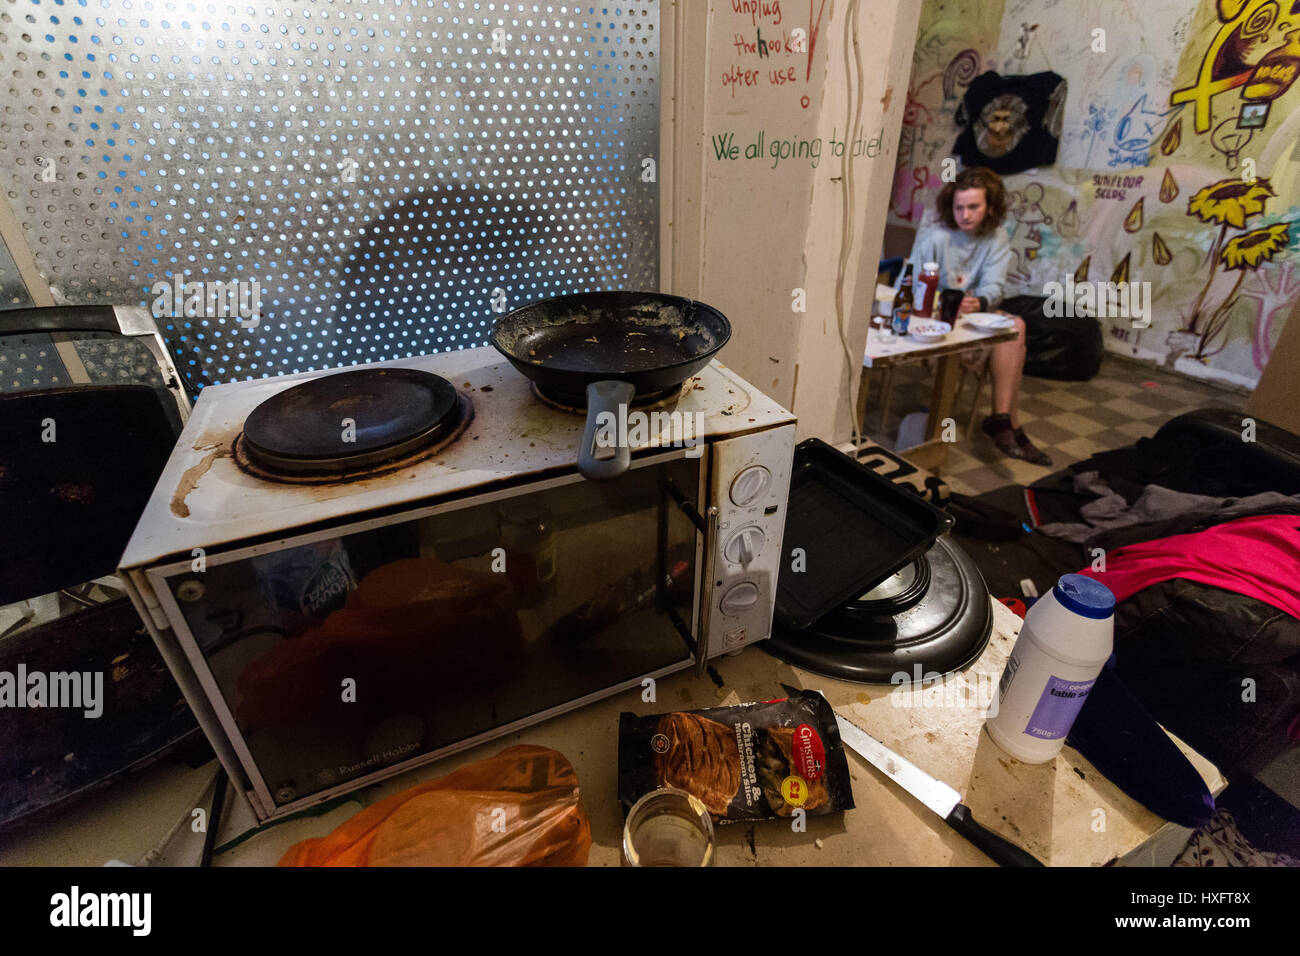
973, 254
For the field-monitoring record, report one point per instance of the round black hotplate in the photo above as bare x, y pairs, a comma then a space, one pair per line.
901, 590
934, 613
350, 420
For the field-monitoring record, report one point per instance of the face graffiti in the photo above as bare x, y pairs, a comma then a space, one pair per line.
1000, 131
1001, 125
1255, 31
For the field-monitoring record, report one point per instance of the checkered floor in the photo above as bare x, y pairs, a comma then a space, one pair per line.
1068, 420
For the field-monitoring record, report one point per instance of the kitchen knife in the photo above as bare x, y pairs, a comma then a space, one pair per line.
936, 795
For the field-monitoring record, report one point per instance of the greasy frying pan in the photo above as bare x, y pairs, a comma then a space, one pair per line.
606, 349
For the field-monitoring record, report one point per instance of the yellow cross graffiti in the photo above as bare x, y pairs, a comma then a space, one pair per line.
1235, 13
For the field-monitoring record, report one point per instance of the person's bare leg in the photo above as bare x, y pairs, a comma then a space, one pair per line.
1006, 366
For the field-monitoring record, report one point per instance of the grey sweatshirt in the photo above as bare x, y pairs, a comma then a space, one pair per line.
978, 266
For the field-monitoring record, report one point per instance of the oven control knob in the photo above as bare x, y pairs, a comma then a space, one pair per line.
739, 599
750, 485
744, 546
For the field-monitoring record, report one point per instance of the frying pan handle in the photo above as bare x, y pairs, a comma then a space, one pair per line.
607, 403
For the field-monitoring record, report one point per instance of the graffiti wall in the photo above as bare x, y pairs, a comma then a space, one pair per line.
1177, 166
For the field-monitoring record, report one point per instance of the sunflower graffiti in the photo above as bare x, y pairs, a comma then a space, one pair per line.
1229, 204
1259, 245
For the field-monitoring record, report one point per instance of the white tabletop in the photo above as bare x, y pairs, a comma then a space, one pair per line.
963, 334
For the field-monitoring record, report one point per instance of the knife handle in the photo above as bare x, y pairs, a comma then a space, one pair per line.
1003, 852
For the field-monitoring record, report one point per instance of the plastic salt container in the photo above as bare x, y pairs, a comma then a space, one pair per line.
1065, 641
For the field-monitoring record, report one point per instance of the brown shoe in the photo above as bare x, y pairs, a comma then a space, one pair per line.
998, 427
1029, 451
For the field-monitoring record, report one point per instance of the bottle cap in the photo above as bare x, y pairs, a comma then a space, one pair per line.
930, 267
1085, 596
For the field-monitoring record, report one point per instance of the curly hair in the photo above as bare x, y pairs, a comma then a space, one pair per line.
995, 195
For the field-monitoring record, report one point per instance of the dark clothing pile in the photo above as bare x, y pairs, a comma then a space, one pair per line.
1217, 667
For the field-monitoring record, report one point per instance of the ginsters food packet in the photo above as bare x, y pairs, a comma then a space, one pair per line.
749, 762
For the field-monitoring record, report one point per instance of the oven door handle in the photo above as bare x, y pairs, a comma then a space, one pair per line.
706, 592
688, 509
707, 525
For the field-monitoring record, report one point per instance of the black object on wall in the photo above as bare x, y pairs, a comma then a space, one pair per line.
1011, 123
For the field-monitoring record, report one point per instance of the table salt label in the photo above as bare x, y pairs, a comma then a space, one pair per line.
1057, 707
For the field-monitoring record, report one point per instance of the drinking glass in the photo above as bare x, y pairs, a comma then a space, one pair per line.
668, 827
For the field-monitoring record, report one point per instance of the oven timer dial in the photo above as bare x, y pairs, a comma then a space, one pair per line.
739, 599
750, 485
745, 545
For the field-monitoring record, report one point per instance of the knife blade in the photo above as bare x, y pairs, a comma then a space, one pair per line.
935, 794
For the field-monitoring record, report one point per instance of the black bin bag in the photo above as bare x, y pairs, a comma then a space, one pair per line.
1067, 348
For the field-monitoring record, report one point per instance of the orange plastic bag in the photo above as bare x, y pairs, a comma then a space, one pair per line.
519, 808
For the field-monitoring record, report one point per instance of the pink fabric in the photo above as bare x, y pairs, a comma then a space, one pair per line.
1257, 556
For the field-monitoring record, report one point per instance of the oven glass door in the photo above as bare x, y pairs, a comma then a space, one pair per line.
331, 656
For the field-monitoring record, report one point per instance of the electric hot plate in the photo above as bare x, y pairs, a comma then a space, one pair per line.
348, 421
933, 612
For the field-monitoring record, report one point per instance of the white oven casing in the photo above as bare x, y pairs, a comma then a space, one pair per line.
206, 514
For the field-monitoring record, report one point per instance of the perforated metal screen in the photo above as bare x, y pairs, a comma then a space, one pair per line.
392, 174
13, 294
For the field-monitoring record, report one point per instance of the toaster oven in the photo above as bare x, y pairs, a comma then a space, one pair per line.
337, 619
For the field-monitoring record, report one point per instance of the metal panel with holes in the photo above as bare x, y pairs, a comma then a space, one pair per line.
13, 294
392, 174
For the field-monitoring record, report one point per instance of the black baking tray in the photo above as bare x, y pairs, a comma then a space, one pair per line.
854, 527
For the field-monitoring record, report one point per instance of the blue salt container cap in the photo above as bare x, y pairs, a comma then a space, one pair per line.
1085, 596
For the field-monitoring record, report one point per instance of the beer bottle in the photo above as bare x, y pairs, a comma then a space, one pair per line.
903, 303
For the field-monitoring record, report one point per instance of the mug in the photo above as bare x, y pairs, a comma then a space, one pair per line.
949, 304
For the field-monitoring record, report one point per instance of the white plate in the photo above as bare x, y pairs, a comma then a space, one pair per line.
989, 321
928, 330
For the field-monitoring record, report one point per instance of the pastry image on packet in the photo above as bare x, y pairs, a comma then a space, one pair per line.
748, 762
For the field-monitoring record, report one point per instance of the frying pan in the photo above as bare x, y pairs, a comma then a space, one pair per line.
606, 349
